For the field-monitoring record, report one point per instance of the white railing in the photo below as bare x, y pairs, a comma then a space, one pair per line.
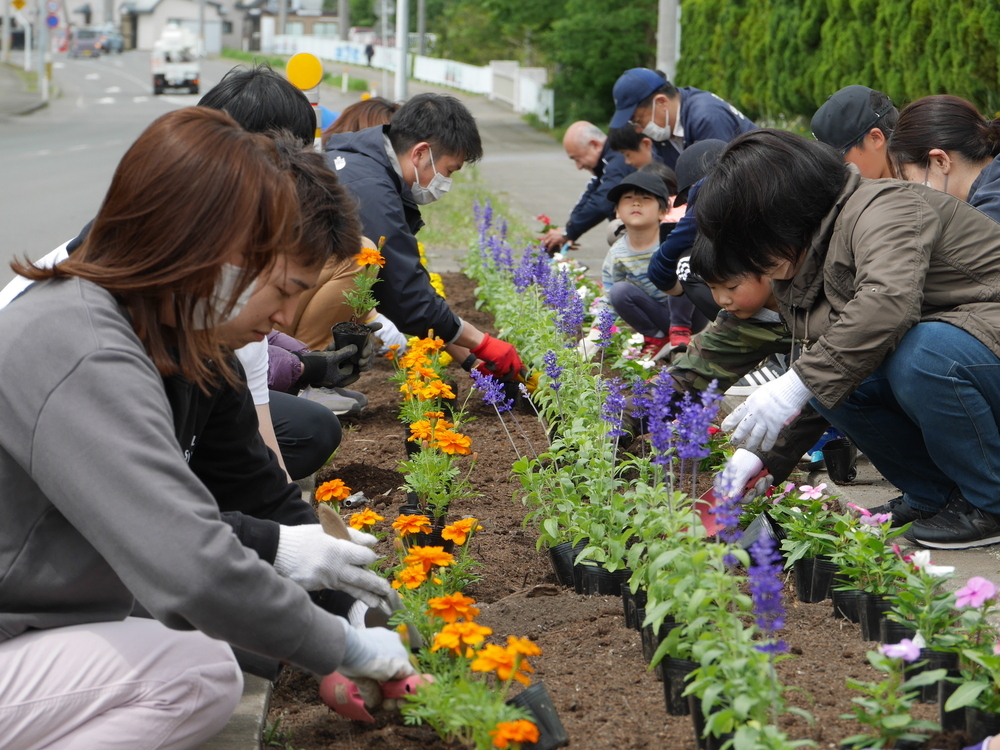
523, 89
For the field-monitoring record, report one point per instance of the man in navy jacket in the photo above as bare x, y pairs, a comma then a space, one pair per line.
588, 147
674, 118
392, 170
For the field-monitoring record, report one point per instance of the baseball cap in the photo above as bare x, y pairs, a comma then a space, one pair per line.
648, 183
846, 116
631, 88
695, 161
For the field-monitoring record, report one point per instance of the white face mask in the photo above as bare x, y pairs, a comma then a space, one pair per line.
210, 312
437, 187
654, 131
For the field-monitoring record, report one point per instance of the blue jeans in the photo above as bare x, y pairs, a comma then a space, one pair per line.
928, 418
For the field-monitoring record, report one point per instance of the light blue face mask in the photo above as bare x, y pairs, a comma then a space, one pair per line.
210, 312
436, 188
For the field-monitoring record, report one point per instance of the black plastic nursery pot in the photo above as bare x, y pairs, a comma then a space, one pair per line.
433, 539
551, 733
347, 333
803, 572
931, 659
950, 721
846, 604
840, 457
412, 447
824, 572
651, 640
704, 743
891, 631
563, 557
762, 525
979, 725
871, 610
632, 603
675, 672
593, 580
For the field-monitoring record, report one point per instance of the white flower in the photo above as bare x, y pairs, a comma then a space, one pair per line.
564, 266
584, 292
922, 561
636, 339
647, 363
558, 257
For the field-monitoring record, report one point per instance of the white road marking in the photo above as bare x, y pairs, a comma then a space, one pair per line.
106, 100
113, 90
78, 147
58, 65
92, 77
140, 99
43, 152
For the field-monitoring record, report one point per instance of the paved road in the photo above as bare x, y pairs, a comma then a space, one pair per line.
58, 162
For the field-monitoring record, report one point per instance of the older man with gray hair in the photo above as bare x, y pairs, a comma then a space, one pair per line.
588, 147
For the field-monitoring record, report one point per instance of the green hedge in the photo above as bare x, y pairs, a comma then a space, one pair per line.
774, 57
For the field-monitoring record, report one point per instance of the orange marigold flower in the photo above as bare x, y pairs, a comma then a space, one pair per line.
335, 489
364, 519
452, 442
436, 389
428, 344
413, 358
428, 557
459, 531
434, 414
409, 524
425, 372
410, 576
504, 662
420, 430
449, 608
518, 731
370, 257
456, 634
522, 646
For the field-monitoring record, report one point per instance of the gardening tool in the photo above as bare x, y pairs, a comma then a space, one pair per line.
707, 502
530, 379
355, 501
356, 699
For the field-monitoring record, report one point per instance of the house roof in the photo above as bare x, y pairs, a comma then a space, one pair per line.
141, 7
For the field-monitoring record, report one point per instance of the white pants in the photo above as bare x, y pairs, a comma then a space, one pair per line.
124, 685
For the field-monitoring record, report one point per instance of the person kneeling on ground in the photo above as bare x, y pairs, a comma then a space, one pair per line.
100, 506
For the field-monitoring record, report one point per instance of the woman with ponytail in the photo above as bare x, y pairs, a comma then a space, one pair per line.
943, 142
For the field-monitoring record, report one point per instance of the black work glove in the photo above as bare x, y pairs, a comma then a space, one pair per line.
330, 368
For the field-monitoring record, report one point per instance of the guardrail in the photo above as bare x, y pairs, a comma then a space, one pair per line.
523, 89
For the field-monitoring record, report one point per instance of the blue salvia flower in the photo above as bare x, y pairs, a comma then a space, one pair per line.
495, 244
573, 310
556, 291
640, 397
552, 369
604, 322
502, 229
524, 273
492, 390
614, 405
728, 510
694, 420
765, 589
506, 255
661, 422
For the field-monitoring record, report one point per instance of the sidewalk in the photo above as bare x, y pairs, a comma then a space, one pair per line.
15, 99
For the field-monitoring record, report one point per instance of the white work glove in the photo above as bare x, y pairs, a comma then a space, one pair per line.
757, 421
389, 335
360, 537
741, 467
588, 345
376, 653
316, 560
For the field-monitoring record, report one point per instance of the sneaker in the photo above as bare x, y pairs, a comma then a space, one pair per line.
651, 346
960, 525
342, 406
680, 336
902, 512
356, 395
755, 379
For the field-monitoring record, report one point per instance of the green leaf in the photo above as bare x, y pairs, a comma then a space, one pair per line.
965, 695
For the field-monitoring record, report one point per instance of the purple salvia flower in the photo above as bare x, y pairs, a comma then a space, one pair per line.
605, 321
661, 422
640, 398
572, 312
496, 249
694, 420
728, 508
765, 585
492, 390
502, 228
552, 368
556, 292
614, 405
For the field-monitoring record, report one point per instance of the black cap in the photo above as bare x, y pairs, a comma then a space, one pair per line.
846, 116
648, 183
695, 161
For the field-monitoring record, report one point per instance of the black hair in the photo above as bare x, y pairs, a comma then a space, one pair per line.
665, 173
703, 262
625, 139
668, 89
949, 123
440, 120
765, 198
260, 100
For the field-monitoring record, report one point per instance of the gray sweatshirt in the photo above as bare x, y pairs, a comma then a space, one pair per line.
98, 504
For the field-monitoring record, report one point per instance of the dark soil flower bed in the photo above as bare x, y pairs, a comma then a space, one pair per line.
592, 664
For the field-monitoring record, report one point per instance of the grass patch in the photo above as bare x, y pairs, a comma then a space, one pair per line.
354, 83
29, 79
451, 223
533, 120
255, 58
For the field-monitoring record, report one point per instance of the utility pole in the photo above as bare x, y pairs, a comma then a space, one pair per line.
422, 26
282, 15
44, 66
5, 42
667, 37
402, 47
343, 19
201, 27
385, 43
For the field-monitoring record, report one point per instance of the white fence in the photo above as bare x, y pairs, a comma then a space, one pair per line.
502, 80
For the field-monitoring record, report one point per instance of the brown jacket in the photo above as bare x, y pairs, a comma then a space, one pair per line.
889, 254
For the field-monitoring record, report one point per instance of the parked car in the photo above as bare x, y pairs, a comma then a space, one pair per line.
86, 43
112, 41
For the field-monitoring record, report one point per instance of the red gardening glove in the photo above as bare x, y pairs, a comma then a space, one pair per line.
499, 357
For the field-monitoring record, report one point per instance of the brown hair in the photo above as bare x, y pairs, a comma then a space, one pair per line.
330, 225
193, 192
361, 115
949, 123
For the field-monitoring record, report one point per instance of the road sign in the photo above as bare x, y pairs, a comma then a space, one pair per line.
18, 4
52, 6
305, 71
51, 21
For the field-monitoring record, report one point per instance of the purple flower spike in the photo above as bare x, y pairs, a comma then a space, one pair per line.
765, 585
552, 369
777, 647
492, 390
614, 405
694, 420
662, 431
605, 321
640, 397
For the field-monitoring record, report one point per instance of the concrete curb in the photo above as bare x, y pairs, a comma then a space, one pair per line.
245, 727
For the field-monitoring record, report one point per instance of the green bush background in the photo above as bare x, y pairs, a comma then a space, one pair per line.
785, 57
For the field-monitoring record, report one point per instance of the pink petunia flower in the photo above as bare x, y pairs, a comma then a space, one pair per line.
975, 593
812, 493
906, 649
875, 519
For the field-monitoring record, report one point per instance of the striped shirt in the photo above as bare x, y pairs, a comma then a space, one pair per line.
624, 264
